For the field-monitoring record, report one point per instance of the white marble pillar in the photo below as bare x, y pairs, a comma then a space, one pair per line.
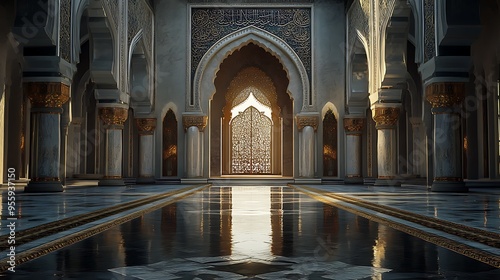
47, 99
386, 119
353, 128
445, 98
194, 126
146, 127
113, 117
307, 126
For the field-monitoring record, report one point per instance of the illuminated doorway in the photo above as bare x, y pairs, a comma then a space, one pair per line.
251, 137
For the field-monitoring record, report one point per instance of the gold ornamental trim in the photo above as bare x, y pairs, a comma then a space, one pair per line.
443, 95
386, 116
113, 115
354, 124
198, 121
303, 121
146, 126
47, 94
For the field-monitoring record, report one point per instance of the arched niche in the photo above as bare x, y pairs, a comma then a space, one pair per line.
169, 144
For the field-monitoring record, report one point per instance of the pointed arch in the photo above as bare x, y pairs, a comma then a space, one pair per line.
169, 149
203, 81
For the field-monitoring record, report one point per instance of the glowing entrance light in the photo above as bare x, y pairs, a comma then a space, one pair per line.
251, 129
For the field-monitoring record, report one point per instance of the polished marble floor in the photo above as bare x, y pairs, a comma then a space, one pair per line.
262, 232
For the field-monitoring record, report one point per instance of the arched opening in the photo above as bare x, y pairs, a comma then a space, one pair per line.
169, 154
330, 147
254, 127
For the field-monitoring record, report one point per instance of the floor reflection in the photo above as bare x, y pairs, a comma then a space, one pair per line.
253, 233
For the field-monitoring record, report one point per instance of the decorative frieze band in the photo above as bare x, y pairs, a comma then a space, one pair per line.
113, 115
47, 94
386, 116
146, 126
447, 94
303, 121
354, 124
198, 121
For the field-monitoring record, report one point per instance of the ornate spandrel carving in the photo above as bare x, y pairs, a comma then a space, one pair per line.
140, 17
65, 30
354, 124
208, 25
303, 121
198, 121
146, 126
358, 15
386, 116
445, 95
113, 116
429, 32
47, 94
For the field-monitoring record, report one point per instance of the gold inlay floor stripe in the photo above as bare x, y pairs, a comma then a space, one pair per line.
48, 229
470, 233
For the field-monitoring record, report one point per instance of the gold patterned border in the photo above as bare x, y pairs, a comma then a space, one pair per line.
31, 234
146, 126
47, 94
303, 121
354, 124
198, 121
474, 234
386, 116
444, 95
113, 115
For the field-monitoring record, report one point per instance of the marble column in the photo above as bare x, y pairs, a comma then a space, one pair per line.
307, 126
353, 128
47, 99
113, 117
386, 119
194, 126
146, 127
445, 98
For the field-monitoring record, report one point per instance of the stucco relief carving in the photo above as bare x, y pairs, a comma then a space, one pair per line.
354, 124
65, 30
273, 45
358, 14
140, 17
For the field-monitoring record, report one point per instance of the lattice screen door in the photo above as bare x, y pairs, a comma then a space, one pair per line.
251, 143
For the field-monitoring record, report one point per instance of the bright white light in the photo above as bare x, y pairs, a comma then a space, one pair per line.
251, 101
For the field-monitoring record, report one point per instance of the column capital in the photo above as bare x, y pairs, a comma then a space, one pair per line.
199, 121
445, 94
385, 117
354, 125
307, 120
113, 116
146, 126
47, 94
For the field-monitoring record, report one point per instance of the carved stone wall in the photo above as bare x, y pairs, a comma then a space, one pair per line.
293, 25
140, 17
65, 30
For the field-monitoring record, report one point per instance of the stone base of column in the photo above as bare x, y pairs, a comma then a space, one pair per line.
111, 182
145, 180
449, 186
387, 182
41, 187
353, 180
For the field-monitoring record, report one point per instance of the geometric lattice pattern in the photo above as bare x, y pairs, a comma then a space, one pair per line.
251, 143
